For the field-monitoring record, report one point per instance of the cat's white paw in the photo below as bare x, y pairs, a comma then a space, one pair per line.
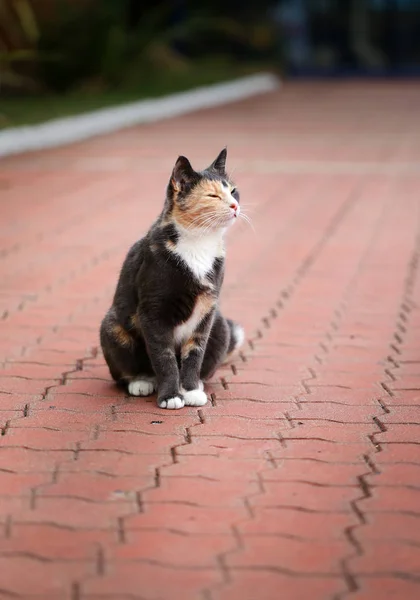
200, 385
172, 403
195, 397
141, 387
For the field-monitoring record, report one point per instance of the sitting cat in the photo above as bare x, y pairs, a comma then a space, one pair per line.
164, 330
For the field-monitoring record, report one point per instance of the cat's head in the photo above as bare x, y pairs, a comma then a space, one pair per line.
202, 201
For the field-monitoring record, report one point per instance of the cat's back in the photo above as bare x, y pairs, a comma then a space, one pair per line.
131, 266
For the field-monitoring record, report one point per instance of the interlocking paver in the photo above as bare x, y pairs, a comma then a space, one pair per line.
302, 472
41, 438
58, 543
75, 512
187, 518
306, 496
394, 452
388, 557
217, 468
195, 551
132, 441
47, 579
313, 471
154, 580
97, 487
202, 492
267, 585
310, 556
398, 475
387, 587
291, 523
23, 460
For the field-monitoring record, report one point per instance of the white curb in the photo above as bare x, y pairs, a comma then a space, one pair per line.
59, 132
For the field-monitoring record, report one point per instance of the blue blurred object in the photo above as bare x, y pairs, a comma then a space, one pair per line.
292, 19
349, 37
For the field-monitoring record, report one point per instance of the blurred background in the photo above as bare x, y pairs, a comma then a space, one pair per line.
60, 57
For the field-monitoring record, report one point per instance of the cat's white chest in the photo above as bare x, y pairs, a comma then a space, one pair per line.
199, 253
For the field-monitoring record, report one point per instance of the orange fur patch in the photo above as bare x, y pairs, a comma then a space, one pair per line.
135, 322
188, 347
121, 335
198, 207
205, 302
170, 245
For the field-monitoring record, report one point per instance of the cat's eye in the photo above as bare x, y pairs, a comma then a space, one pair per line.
213, 196
233, 191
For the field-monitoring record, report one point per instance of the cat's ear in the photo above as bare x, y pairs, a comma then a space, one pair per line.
183, 173
219, 165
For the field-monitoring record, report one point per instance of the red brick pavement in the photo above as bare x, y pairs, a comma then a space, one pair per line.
301, 478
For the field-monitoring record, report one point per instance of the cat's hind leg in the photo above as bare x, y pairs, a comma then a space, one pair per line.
225, 338
126, 357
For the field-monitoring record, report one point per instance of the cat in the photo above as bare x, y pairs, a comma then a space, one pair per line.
164, 331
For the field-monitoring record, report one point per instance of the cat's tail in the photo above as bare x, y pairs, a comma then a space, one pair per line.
237, 337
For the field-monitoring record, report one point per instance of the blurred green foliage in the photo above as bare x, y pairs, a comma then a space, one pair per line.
100, 45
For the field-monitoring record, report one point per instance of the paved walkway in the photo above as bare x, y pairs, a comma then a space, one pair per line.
302, 478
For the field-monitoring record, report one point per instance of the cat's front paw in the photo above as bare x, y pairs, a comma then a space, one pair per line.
142, 386
172, 403
195, 397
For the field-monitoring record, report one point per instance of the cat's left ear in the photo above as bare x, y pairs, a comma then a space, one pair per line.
219, 165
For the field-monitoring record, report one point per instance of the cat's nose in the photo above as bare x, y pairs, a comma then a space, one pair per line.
234, 206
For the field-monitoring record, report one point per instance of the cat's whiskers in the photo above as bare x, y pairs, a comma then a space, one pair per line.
204, 222
215, 218
247, 220
200, 218
198, 226
210, 226
245, 217
192, 226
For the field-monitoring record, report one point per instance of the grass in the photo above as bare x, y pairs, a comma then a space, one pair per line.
30, 110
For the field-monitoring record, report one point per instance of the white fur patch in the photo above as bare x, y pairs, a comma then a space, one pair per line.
172, 403
195, 398
229, 199
184, 331
198, 252
143, 386
239, 335
200, 387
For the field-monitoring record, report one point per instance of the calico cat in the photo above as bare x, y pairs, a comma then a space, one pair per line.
164, 330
